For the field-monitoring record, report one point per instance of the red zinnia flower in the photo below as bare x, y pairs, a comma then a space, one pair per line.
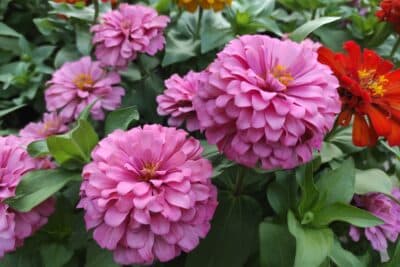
390, 12
370, 90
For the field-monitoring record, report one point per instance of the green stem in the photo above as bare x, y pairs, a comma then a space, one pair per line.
96, 10
395, 47
198, 27
314, 14
239, 180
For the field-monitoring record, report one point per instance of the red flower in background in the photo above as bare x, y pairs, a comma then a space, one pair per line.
390, 12
369, 90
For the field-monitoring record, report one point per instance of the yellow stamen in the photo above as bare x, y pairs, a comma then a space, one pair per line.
149, 171
84, 82
280, 73
374, 84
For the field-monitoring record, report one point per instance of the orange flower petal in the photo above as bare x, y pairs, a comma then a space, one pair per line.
381, 123
363, 134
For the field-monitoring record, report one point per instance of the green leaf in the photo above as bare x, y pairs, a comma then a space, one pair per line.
182, 43
233, 235
342, 257
41, 53
55, 255
83, 39
121, 119
215, 31
66, 54
373, 180
338, 185
303, 31
312, 245
38, 149
9, 110
345, 213
277, 245
72, 149
7, 31
97, 257
282, 193
330, 151
81, 13
310, 194
37, 186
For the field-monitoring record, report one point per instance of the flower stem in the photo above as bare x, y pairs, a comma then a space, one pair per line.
239, 180
198, 28
96, 10
314, 14
395, 47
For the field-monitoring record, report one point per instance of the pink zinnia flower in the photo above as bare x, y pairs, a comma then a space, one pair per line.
15, 226
51, 124
127, 31
388, 211
267, 101
177, 100
148, 194
80, 83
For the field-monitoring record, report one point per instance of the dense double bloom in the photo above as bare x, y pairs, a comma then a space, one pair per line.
176, 100
148, 194
80, 83
15, 226
388, 211
192, 5
125, 32
259, 105
390, 12
51, 124
369, 91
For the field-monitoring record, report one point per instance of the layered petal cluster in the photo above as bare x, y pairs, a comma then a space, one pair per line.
15, 226
370, 93
388, 211
259, 105
192, 5
80, 83
125, 32
176, 101
390, 12
51, 124
147, 194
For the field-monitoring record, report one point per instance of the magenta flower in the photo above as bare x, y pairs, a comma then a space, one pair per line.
78, 84
267, 101
147, 194
51, 124
15, 226
127, 31
177, 100
388, 211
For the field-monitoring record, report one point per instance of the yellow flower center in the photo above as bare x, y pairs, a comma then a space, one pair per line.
280, 72
84, 82
149, 171
376, 85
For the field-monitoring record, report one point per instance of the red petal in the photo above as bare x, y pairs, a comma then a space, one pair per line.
345, 117
328, 57
363, 135
379, 121
354, 52
394, 137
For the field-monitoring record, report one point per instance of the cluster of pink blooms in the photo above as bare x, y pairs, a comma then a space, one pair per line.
259, 105
15, 226
148, 194
388, 211
51, 124
125, 32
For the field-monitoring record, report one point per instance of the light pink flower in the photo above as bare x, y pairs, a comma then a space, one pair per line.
78, 84
388, 211
51, 124
127, 31
15, 226
267, 101
176, 100
147, 194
